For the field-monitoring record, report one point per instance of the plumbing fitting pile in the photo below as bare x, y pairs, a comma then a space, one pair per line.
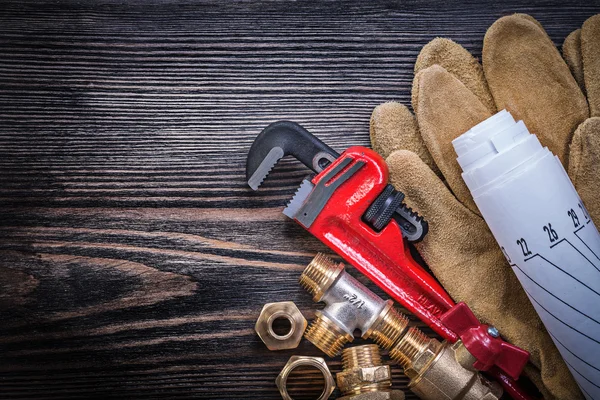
436, 370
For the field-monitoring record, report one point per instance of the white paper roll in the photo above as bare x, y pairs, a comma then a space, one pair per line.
545, 232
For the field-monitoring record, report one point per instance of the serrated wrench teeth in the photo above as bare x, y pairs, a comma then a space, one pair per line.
279, 140
298, 200
413, 226
267, 164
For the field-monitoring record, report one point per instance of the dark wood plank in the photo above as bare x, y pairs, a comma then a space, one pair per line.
134, 259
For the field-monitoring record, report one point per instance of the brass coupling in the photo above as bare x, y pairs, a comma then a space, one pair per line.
300, 361
441, 370
349, 306
268, 315
364, 377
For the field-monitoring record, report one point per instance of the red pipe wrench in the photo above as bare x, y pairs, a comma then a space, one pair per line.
350, 207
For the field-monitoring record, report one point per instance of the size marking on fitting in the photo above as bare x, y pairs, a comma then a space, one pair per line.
354, 300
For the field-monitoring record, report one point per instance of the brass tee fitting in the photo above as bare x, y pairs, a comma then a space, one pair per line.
349, 306
364, 377
441, 370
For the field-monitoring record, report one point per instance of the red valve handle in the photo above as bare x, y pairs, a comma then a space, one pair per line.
484, 343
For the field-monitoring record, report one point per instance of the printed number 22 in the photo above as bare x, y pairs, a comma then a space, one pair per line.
521, 242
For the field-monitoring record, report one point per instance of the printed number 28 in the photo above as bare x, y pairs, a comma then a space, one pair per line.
571, 213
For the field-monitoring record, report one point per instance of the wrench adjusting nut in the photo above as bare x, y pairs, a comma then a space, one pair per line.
273, 311
299, 361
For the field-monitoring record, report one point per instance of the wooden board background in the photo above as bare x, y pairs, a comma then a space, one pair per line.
133, 258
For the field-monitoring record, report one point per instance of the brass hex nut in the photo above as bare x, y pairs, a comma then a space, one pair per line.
380, 395
297, 361
264, 325
351, 379
423, 359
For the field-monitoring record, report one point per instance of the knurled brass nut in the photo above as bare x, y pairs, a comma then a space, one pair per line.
298, 361
357, 377
264, 325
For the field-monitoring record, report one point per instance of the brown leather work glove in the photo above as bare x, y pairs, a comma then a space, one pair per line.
524, 73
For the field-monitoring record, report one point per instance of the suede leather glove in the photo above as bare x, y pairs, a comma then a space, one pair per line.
524, 73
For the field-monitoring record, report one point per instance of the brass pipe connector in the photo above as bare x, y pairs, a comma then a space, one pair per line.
364, 377
441, 370
300, 361
349, 306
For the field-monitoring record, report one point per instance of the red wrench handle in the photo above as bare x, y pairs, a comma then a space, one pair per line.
381, 256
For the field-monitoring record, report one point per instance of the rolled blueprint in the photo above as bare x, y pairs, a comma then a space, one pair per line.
545, 232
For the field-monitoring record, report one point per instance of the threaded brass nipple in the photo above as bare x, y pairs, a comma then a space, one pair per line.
319, 275
327, 336
407, 349
363, 372
388, 327
361, 356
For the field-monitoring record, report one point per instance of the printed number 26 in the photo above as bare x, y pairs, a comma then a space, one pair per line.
552, 235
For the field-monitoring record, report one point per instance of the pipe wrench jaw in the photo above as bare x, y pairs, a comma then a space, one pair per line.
288, 138
311, 197
279, 140
386, 207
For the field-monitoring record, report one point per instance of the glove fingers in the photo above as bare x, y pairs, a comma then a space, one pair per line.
445, 110
459, 62
394, 127
590, 51
531, 19
571, 50
528, 77
584, 165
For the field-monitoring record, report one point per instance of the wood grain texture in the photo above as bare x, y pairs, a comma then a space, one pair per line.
133, 258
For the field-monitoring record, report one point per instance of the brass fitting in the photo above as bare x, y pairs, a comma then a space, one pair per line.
440, 370
268, 315
349, 306
297, 361
364, 377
